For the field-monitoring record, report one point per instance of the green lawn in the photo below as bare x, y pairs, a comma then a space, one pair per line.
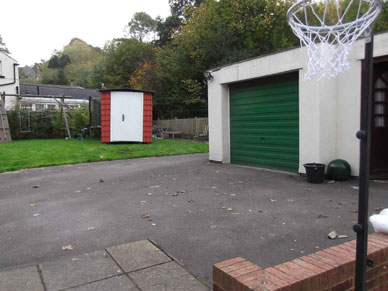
22, 154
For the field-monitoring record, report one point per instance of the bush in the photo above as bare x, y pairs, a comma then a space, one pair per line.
26, 124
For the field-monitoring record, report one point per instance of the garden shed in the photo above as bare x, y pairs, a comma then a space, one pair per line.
126, 115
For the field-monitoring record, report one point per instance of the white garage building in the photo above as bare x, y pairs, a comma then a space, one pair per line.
262, 113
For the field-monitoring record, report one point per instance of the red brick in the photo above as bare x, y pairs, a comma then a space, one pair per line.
377, 271
229, 262
376, 242
343, 286
325, 259
336, 274
285, 277
381, 236
253, 284
345, 254
377, 254
250, 277
377, 282
244, 271
351, 244
306, 278
379, 288
317, 263
321, 274
269, 285
237, 266
241, 282
337, 259
272, 280
222, 280
348, 248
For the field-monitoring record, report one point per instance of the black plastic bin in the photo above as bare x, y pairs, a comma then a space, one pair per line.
315, 172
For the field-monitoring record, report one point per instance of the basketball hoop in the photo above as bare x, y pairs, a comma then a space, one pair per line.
325, 29
329, 28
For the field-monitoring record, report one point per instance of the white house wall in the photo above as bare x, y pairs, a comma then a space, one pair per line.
7, 67
329, 110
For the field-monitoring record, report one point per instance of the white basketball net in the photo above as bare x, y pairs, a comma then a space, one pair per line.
325, 29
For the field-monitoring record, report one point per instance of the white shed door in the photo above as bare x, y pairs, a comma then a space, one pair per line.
126, 116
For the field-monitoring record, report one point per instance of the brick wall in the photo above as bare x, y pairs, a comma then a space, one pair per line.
329, 269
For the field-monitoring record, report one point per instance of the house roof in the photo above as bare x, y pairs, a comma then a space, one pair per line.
9, 56
125, 90
74, 92
28, 71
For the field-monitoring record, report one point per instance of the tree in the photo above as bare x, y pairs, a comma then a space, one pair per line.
144, 77
165, 29
122, 58
141, 25
382, 21
179, 91
179, 7
352, 9
3, 47
225, 31
215, 33
75, 62
63, 60
53, 62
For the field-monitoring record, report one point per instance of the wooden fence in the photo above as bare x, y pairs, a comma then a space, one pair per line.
188, 127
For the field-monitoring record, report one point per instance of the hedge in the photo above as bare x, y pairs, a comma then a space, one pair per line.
26, 124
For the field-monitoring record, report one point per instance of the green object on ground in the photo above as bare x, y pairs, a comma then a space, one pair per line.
338, 170
34, 153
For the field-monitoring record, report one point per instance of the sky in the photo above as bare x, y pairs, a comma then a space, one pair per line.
33, 29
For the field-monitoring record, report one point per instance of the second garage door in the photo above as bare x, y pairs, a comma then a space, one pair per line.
264, 122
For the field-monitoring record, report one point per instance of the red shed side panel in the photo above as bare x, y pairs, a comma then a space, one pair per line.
147, 117
105, 116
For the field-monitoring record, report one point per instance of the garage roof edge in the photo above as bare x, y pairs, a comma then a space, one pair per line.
266, 55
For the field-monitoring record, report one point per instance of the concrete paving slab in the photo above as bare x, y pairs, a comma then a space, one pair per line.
118, 283
169, 276
74, 271
137, 255
21, 279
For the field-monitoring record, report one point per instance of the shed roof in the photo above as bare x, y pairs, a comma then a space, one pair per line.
125, 90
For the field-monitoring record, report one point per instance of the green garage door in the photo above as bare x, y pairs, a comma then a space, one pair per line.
264, 122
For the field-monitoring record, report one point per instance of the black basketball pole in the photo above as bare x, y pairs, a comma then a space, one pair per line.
364, 135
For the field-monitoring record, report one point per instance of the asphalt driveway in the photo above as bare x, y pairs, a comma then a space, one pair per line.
200, 213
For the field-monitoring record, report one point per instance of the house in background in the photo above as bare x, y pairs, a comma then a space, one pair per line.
29, 72
9, 78
262, 113
76, 96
